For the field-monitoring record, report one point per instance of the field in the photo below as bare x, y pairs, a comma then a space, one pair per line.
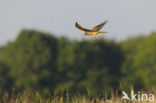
35, 97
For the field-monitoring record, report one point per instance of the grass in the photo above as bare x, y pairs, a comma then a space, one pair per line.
35, 97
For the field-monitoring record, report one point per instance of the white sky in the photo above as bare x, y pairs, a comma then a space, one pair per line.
126, 18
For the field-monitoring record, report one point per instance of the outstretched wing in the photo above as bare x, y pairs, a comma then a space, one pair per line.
98, 27
81, 28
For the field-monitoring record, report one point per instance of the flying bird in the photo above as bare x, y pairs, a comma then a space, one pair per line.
94, 31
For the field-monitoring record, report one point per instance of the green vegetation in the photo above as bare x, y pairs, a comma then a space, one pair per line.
139, 67
40, 61
65, 97
36, 97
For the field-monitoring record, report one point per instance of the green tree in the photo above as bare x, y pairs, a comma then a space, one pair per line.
5, 80
1, 52
31, 59
139, 68
102, 64
39, 60
65, 63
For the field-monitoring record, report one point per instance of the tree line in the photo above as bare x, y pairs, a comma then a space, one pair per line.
41, 61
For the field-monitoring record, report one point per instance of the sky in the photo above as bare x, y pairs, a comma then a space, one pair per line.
126, 18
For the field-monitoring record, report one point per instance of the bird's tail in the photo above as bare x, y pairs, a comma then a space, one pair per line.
102, 32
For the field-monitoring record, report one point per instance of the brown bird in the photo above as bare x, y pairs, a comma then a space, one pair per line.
94, 31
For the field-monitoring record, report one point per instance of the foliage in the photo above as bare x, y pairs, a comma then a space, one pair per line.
5, 80
140, 66
30, 59
40, 61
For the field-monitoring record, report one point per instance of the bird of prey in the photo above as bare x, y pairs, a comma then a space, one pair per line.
94, 31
